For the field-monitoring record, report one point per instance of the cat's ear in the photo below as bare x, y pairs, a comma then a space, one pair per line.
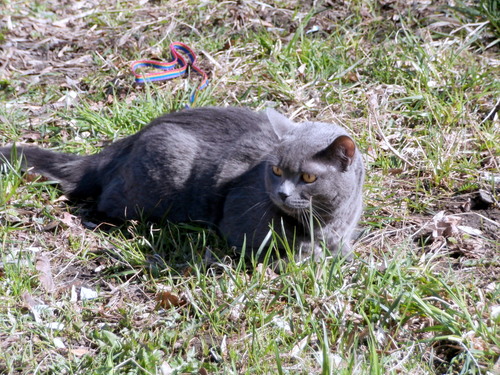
342, 150
281, 125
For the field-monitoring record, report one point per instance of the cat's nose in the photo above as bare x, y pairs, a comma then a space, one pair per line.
285, 190
283, 195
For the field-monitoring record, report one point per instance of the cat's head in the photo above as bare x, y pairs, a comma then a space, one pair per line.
314, 165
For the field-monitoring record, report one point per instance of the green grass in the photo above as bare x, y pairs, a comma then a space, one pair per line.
174, 299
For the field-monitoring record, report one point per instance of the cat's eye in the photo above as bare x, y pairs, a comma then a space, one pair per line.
277, 170
309, 178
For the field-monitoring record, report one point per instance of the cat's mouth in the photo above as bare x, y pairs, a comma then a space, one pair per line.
291, 206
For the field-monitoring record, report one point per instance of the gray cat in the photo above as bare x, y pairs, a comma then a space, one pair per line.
239, 171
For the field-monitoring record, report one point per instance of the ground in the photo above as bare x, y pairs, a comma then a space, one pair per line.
416, 82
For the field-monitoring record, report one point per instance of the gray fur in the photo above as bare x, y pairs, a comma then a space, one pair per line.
214, 166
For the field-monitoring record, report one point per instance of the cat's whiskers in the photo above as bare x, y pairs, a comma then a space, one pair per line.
307, 214
318, 212
318, 217
260, 204
305, 218
265, 212
321, 211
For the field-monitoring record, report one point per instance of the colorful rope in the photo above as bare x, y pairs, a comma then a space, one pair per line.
172, 69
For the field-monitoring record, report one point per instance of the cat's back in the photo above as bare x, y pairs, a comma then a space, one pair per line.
214, 142
210, 124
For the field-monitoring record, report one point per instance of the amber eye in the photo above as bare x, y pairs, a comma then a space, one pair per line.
308, 178
277, 170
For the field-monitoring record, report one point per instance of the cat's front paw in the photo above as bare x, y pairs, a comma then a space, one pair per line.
316, 253
308, 251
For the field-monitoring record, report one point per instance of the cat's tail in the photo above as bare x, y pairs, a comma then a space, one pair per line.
77, 175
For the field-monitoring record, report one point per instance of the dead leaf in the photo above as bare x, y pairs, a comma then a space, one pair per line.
469, 230
444, 225
63, 22
236, 311
282, 324
29, 301
59, 343
68, 219
299, 347
166, 369
472, 248
269, 274
61, 198
31, 136
302, 69
88, 294
45, 273
55, 326
33, 177
52, 225
352, 76
79, 352
188, 271
167, 300
37, 309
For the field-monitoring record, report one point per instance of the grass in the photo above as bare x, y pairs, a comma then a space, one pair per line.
417, 92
